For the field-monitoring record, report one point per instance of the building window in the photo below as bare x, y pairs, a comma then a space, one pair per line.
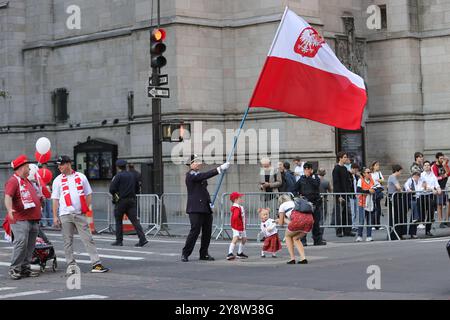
383, 17
59, 101
96, 159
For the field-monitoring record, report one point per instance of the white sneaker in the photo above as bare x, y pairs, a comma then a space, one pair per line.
358, 239
369, 239
373, 228
421, 226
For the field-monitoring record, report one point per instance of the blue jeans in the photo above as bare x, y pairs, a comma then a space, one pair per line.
363, 214
354, 208
415, 210
47, 215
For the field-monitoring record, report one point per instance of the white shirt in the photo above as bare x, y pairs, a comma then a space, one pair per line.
417, 186
376, 177
74, 196
287, 208
299, 171
269, 223
431, 180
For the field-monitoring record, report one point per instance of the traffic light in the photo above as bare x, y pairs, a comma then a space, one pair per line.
157, 48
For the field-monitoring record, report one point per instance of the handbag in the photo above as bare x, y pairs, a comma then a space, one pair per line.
303, 205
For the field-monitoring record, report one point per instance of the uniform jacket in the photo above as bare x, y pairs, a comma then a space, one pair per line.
198, 196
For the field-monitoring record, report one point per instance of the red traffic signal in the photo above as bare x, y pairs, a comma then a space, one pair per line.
157, 47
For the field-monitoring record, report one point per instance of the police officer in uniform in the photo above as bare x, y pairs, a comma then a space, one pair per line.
309, 186
199, 207
123, 188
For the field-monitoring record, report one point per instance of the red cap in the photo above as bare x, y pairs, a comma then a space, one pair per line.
19, 161
235, 195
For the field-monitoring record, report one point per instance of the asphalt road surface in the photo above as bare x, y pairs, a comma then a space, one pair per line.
408, 269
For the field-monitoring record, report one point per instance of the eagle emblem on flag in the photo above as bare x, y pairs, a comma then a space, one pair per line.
308, 43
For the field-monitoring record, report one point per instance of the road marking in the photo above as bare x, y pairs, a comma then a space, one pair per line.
86, 297
7, 288
440, 240
110, 256
22, 294
5, 264
140, 252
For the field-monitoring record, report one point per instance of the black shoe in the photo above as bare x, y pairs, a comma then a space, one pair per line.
141, 244
303, 261
184, 259
231, 256
339, 235
291, 262
117, 244
241, 256
429, 234
207, 258
320, 243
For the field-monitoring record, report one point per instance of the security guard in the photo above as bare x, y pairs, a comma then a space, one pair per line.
199, 207
123, 188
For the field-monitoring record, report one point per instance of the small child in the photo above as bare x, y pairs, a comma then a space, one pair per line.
238, 227
269, 230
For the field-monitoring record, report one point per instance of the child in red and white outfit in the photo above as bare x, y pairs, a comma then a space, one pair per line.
269, 230
238, 227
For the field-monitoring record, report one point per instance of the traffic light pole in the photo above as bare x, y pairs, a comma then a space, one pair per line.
158, 168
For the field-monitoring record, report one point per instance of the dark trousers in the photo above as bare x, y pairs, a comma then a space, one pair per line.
376, 213
317, 231
398, 211
427, 207
128, 207
343, 216
199, 222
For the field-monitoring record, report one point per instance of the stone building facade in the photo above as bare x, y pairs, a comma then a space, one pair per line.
215, 51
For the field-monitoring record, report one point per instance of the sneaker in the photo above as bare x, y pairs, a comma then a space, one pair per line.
231, 256
29, 273
421, 226
274, 256
369, 239
263, 255
359, 239
373, 229
99, 268
415, 220
14, 274
414, 237
241, 256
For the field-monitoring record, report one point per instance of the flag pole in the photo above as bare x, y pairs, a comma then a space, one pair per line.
247, 111
236, 137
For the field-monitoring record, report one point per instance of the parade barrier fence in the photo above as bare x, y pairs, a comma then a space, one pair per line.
342, 212
174, 218
149, 212
409, 210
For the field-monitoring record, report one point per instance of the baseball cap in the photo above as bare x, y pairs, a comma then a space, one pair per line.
121, 163
63, 160
235, 195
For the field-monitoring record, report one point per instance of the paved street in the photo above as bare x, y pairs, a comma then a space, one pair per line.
410, 269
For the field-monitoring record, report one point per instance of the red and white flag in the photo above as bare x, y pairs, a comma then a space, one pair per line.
7, 228
302, 76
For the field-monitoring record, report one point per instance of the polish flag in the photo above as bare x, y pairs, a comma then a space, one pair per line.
7, 227
302, 76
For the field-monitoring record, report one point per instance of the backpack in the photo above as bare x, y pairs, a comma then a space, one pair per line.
303, 205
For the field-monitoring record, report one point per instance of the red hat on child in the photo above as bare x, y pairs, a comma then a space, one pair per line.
19, 161
235, 195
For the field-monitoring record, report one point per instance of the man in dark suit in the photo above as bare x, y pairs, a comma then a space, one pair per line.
199, 207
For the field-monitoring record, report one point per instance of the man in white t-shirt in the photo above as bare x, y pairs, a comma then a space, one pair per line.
298, 171
72, 195
427, 199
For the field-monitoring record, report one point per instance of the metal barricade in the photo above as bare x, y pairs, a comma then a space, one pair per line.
174, 219
342, 212
149, 213
252, 202
413, 210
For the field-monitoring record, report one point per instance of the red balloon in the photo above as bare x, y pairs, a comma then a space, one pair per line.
43, 158
46, 175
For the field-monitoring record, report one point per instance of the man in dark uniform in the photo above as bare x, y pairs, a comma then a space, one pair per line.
123, 189
199, 207
308, 186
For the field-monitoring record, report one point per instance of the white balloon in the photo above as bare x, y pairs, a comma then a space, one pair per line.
43, 145
33, 175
